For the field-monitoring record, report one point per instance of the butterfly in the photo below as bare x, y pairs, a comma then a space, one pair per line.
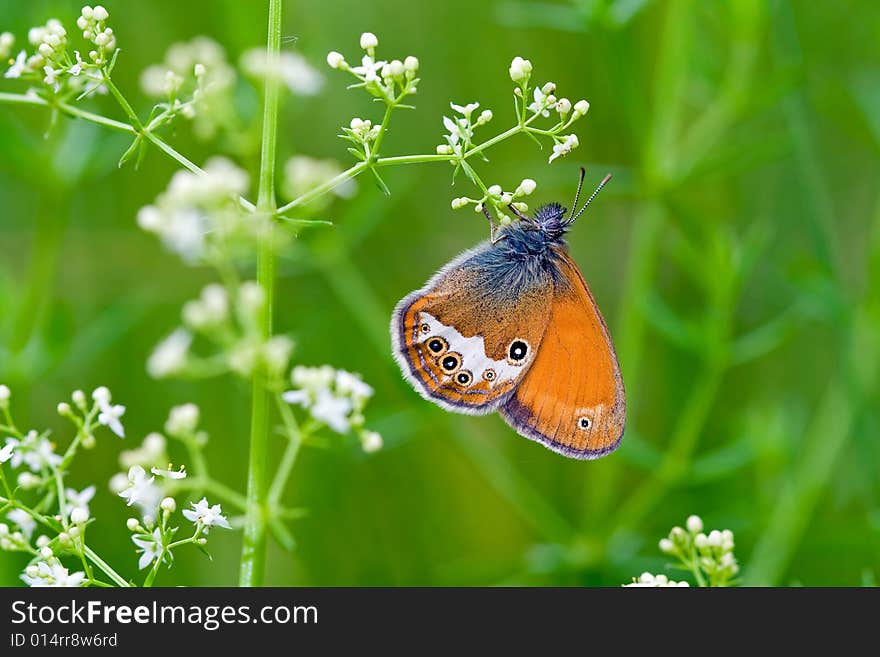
511, 326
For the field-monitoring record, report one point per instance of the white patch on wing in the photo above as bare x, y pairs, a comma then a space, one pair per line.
473, 352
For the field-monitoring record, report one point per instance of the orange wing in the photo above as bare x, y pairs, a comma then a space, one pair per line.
572, 398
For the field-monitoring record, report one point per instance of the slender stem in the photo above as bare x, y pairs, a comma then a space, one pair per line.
118, 579
253, 554
288, 460
117, 95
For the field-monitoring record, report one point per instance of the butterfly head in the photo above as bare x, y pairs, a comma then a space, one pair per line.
550, 220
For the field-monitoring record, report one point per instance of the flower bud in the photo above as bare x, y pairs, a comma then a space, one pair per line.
563, 106
132, 524
444, 149
169, 505
485, 117
694, 524
64, 409
526, 187
411, 64
701, 541
79, 398
46, 552
506, 198
667, 546
458, 203
100, 14
5, 394
548, 88
335, 60
581, 107
520, 69
369, 41
43, 541
494, 190
715, 538
397, 68
78, 516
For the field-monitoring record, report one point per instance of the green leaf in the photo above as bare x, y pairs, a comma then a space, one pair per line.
381, 183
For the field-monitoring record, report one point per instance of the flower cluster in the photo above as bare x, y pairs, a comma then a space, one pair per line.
499, 199
199, 216
335, 399
194, 80
711, 554
290, 68
461, 128
52, 64
231, 325
390, 81
647, 580
544, 101
302, 174
47, 571
708, 556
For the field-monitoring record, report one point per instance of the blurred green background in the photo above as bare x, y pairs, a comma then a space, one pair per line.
736, 257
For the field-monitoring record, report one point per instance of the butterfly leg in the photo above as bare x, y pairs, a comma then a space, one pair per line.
492, 227
519, 214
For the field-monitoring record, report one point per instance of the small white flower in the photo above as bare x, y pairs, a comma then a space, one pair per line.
465, 110
300, 397
543, 102
169, 473
140, 490
18, 67
353, 386
54, 575
169, 356
109, 417
7, 41
371, 441
336, 60
33, 451
79, 516
79, 500
369, 41
369, 70
332, 410
526, 187
565, 147
563, 106
694, 524
581, 107
520, 69
182, 420
290, 68
28, 480
6, 453
150, 547
150, 452
23, 520
208, 516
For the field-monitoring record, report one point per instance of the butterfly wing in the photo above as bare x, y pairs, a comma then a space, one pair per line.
572, 398
467, 338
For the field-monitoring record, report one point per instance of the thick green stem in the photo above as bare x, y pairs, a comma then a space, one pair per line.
253, 554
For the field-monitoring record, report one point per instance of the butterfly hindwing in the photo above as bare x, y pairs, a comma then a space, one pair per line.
468, 337
572, 398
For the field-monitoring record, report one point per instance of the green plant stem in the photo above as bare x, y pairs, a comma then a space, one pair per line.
288, 460
253, 554
75, 112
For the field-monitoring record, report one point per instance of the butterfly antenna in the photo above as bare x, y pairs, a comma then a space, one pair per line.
590, 200
577, 194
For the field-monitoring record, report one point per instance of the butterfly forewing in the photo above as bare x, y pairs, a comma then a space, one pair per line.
469, 336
